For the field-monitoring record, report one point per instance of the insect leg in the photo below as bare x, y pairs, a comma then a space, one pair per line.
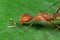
50, 33
58, 10
58, 27
52, 5
28, 26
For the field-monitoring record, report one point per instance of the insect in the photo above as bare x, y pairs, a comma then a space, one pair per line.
43, 16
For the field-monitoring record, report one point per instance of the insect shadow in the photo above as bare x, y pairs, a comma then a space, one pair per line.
38, 26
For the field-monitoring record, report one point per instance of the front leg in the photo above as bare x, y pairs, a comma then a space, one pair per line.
28, 26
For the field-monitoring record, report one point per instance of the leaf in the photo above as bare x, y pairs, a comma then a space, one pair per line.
15, 9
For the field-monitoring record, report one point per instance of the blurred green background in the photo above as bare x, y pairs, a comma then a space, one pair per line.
15, 9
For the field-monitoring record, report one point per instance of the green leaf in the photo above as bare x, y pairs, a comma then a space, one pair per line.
15, 9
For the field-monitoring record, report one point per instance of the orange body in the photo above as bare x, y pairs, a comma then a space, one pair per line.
44, 16
25, 18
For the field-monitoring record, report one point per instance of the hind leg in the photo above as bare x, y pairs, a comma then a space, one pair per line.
58, 27
52, 5
58, 10
54, 24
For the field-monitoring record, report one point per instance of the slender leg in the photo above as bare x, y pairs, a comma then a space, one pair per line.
50, 33
58, 10
52, 5
58, 27
56, 14
28, 27
40, 10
